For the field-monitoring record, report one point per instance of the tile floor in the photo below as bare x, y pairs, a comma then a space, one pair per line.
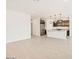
40, 48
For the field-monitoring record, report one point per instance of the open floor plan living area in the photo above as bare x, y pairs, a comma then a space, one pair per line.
39, 29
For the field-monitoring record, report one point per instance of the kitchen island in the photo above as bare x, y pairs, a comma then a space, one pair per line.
57, 29
58, 32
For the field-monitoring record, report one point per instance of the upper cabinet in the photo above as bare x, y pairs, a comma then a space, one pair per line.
61, 23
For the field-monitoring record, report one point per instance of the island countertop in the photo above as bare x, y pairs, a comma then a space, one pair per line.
62, 28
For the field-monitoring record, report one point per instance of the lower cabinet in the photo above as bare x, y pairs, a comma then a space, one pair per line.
60, 34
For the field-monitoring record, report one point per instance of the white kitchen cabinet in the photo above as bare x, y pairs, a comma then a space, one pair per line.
59, 34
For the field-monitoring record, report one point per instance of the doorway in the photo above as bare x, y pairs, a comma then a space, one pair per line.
42, 28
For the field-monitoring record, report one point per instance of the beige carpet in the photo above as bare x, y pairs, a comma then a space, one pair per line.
40, 48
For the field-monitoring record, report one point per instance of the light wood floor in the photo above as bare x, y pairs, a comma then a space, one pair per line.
40, 48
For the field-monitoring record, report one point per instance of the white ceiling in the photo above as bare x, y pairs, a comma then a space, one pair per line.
40, 7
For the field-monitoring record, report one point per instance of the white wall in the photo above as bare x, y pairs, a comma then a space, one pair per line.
18, 26
36, 26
